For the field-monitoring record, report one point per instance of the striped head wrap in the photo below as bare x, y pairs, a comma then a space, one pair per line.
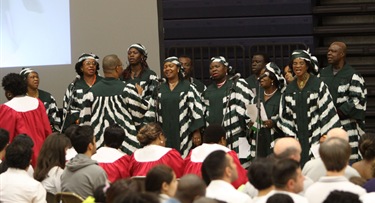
140, 48
306, 55
174, 59
85, 56
25, 72
273, 68
223, 61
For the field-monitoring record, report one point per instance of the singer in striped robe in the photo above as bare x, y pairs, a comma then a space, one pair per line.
306, 110
349, 94
87, 69
177, 107
138, 72
215, 99
113, 101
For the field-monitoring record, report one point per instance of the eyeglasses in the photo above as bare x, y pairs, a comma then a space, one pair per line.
87, 63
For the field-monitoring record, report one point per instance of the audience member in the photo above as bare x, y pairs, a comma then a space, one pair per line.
214, 139
154, 152
162, 181
280, 198
335, 153
32, 80
260, 176
51, 162
4, 141
180, 97
315, 169
367, 149
342, 197
122, 186
114, 135
122, 105
188, 66
190, 187
134, 197
16, 185
349, 94
70, 152
218, 171
23, 114
138, 71
82, 175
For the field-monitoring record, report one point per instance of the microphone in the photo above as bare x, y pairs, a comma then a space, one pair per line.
266, 74
75, 80
235, 77
161, 80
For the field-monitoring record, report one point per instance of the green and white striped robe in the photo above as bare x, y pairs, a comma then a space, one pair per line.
113, 101
349, 96
80, 88
180, 114
51, 109
148, 81
236, 119
307, 114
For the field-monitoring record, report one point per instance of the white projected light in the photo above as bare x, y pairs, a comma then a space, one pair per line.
34, 33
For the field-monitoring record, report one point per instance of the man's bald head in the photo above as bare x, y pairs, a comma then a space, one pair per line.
190, 187
342, 46
336, 54
339, 133
287, 147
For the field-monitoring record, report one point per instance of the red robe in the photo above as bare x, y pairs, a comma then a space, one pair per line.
26, 115
118, 169
193, 162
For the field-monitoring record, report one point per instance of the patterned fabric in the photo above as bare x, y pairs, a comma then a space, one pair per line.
307, 114
51, 109
180, 112
349, 95
112, 101
235, 118
74, 94
148, 81
198, 85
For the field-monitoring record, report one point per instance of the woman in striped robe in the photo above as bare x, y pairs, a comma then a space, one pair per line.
87, 69
306, 109
177, 106
233, 118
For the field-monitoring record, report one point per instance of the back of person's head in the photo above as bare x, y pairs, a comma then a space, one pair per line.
157, 176
19, 152
190, 187
135, 197
4, 139
100, 193
280, 198
367, 146
335, 153
358, 180
339, 133
14, 85
110, 62
213, 166
51, 154
284, 170
149, 133
287, 147
71, 130
114, 135
81, 138
260, 173
213, 134
207, 200
342, 197
122, 186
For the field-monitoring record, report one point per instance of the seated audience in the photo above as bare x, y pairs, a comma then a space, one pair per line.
82, 175
280, 198
315, 169
190, 187
260, 176
335, 153
114, 135
15, 184
120, 187
219, 171
162, 181
214, 139
51, 162
135, 197
342, 197
154, 152
367, 149
70, 152
4, 141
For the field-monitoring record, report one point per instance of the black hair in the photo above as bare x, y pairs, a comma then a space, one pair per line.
260, 173
213, 166
213, 133
15, 84
157, 176
82, 137
114, 135
283, 171
4, 138
18, 153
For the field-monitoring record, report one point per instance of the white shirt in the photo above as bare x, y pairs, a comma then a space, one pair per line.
368, 198
17, 186
107, 155
53, 181
296, 198
315, 169
224, 191
319, 191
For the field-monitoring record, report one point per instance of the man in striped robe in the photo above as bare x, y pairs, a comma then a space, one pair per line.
349, 94
113, 101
